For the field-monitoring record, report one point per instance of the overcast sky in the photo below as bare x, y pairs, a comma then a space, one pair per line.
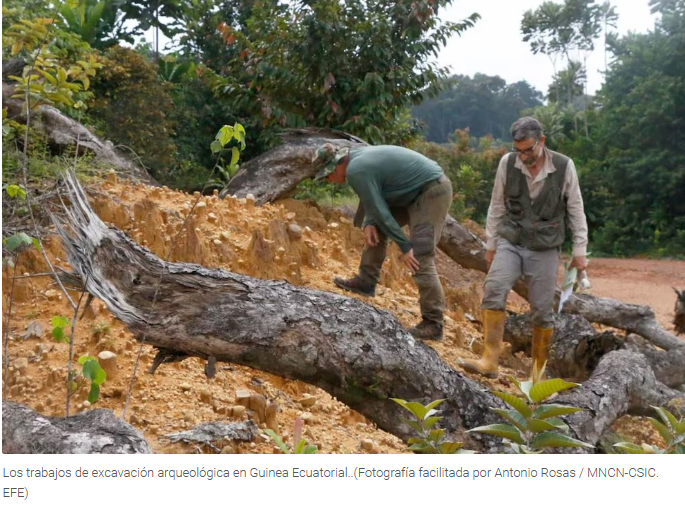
494, 45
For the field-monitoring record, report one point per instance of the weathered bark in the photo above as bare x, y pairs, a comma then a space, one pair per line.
356, 352
275, 174
93, 432
64, 132
679, 312
577, 349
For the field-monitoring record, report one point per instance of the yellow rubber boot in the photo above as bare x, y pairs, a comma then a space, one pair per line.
542, 341
493, 334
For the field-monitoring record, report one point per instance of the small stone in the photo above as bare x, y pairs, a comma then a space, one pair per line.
217, 242
224, 235
294, 231
334, 225
367, 445
20, 364
307, 400
185, 386
86, 404
189, 418
206, 396
211, 217
51, 294
309, 418
228, 450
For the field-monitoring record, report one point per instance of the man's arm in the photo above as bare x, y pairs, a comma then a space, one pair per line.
497, 209
575, 211
377, 210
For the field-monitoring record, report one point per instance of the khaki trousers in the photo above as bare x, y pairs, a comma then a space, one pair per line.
426, 218
539, 270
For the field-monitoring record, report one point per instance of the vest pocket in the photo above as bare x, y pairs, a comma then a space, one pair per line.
547, 235
510, 231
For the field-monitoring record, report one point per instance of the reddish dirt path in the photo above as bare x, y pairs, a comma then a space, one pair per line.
644, 282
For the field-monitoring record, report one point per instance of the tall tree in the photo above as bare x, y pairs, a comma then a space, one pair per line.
641, 139
356, 65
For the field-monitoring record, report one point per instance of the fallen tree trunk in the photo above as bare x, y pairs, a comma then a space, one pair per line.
356, 352
93, 432
275, 174
65, 133
577, 349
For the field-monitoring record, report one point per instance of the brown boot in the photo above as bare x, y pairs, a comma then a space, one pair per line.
493, 334
542, 341
427, 330
356, 285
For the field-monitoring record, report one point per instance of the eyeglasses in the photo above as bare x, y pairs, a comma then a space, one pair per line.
525, 151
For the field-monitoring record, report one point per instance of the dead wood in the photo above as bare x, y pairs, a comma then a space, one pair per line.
66, 134
92, 432
359, 354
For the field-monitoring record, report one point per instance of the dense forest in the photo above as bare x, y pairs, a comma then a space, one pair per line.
365, 68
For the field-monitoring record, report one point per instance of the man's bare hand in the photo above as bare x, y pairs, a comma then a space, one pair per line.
489, 257
580, 262
370, 235
410, 261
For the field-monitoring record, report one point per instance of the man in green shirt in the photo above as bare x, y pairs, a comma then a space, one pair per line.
396, 186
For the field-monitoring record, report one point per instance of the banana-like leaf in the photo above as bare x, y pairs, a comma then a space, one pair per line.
514, 417
553, 410
551, 439
545, 389
500, 430
515, 402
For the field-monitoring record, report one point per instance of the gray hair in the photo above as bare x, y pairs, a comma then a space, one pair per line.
526, 128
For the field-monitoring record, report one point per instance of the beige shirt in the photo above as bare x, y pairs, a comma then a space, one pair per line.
570, 189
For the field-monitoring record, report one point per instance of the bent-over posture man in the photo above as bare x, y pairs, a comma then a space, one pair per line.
396, 186
535, 196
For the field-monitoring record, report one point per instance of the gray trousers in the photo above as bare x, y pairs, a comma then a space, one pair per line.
539, 269
426, 218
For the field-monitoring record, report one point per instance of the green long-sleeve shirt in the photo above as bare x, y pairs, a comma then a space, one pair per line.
389, 176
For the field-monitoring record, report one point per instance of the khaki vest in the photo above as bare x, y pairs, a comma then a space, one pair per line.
540, 225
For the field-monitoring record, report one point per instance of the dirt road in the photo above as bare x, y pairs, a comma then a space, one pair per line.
644, 282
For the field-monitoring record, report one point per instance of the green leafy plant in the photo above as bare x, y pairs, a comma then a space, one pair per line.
671, 430
58, 325
533, 426
429, 440
300, 445
218, 147
93, 372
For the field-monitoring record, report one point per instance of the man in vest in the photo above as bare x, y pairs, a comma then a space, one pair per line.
396, 186
535, 197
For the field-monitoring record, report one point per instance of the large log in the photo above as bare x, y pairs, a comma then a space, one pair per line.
356, 352
93, 432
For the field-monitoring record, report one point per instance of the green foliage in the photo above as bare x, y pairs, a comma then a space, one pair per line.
483, 104
59, 323
637, 164
97, 22
470, 169
131, 107
671, 430
218, 147
300, 445
429, 440
532, 426
93, 372
356, 66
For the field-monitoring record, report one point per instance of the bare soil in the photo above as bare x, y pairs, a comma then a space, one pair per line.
235, 235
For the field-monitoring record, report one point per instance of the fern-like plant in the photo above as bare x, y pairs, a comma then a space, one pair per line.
671, 430
429, 440
532, 426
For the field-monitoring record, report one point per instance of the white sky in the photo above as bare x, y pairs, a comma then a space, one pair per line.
494, 46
